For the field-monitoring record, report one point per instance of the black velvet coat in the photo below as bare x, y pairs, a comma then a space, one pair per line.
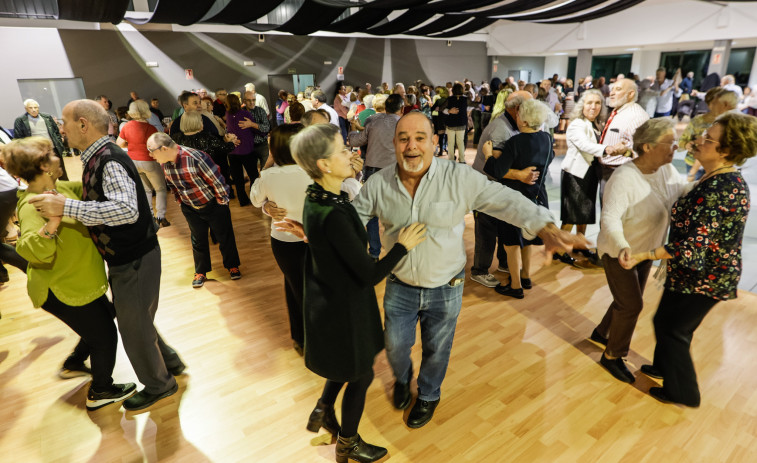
343, 331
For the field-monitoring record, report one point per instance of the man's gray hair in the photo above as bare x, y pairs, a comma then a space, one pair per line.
578, 110
160, 139
29, 101
314, 142
319, 95
249, 86
651, 131
93, 112
514, 101
633, 87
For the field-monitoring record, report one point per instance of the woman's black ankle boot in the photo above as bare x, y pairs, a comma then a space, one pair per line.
323, 416
356, 449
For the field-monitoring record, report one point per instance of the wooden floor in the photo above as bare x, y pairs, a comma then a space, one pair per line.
523, 383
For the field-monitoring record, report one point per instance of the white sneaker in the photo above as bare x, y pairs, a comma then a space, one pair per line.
503, 269
487, 280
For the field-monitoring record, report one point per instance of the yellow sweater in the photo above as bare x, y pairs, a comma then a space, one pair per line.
69, 265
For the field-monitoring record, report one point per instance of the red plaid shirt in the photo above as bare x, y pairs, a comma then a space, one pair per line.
195, 179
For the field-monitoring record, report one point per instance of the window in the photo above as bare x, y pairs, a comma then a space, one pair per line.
52, 94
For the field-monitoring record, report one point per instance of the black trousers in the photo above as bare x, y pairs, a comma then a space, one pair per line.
217, 218
290, 257
678, 315
94, 323
486, 230
222, 160
237, 163
261, 152
8, 253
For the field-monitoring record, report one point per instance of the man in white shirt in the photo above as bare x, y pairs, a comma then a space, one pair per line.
318, 98
666, 90
260, 100
623, 121
729, 83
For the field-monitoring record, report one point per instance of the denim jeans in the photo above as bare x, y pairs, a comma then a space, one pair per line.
372, 227
437, 309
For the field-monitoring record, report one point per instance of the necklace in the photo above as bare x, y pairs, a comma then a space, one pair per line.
715, 171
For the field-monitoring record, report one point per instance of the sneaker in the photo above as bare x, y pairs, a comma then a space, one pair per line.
503, 269
199, 280
74, 371
164, 222
487, 280
235, 273
116, 393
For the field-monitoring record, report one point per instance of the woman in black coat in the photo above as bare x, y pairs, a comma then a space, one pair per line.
343, 331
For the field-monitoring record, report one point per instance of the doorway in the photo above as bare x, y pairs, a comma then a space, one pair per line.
293, 83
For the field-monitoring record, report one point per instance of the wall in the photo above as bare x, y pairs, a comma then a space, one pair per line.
112, 62
556, 65
535, 64
645, 62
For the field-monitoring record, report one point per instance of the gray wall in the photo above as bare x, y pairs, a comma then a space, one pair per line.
535, 64
113, 63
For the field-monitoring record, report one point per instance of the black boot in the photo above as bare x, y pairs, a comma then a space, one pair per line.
323, 416
356, 449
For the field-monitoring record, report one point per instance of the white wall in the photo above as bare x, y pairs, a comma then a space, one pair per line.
535, 64
28, 54
461, 60
556, 65
645, 62
651, 23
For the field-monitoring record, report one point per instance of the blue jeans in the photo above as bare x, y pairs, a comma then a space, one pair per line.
372, 227
437, 309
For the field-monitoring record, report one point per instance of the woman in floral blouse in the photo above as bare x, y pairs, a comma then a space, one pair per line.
703, 252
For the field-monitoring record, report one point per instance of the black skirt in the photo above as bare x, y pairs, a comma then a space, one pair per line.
579, 197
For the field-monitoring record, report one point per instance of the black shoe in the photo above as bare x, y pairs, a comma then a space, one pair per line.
298, 348
598, 338
565, 259
651, 371
323, 416
356, 449
526, 283
143, 399
506, 290
659, 394
4, 278
231, 194
617, 368
592, 256
115, 393
164, 222
177, 370
74, 370
401, 395
421, 413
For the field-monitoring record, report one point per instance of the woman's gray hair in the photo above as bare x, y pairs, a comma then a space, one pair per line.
311, 144
651, 131
190, 122
535, 114
139, 110
578, 110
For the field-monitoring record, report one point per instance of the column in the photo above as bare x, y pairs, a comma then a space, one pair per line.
583, 64
721, 53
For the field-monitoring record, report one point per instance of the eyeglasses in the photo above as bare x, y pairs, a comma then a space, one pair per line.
673, 143
153, 150
707, 139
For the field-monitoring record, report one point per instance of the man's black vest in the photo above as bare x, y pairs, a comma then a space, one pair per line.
123, 243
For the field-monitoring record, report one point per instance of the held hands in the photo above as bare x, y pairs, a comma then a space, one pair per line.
412, 235
629, 261
556, 240
230, 137
529, 175
291, 226
356, 164
454, 111
276, 213
49, 204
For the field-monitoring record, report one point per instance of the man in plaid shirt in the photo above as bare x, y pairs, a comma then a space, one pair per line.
199, 187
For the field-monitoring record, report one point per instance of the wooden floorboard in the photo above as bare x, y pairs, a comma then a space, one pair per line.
523, 383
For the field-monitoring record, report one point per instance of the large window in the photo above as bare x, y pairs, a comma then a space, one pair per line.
695, 61
52, 94
607, 66
740, 64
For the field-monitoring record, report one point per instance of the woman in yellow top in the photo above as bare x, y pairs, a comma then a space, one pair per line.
66, 274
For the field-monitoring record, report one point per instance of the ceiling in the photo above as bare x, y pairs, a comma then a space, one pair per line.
425, 18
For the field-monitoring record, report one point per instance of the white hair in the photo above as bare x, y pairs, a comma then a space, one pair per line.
535, 114
29, 101
249, 87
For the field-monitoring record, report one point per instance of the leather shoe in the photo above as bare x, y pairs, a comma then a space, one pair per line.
598, 338
323, 416
660, 394
177, 370
143, 399
651, 371
617, 368
507, 290
401, 395
421, 413
526, 283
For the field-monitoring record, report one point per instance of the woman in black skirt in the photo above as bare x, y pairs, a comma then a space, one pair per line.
522, 165
343, 331
580, 169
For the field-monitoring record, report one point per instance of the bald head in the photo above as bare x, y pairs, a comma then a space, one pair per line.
84, 122
515, 99
416, 114
93, 112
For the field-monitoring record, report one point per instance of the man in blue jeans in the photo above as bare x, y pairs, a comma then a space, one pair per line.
427, 284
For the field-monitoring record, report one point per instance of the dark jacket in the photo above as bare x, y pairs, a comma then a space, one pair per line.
21, 129
343, 331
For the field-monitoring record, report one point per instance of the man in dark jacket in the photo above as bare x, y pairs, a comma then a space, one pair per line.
43, 125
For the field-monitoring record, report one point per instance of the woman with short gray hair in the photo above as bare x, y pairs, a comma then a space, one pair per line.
343, 331
635, 217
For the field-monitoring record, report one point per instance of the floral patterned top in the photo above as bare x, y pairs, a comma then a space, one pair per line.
706, 231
